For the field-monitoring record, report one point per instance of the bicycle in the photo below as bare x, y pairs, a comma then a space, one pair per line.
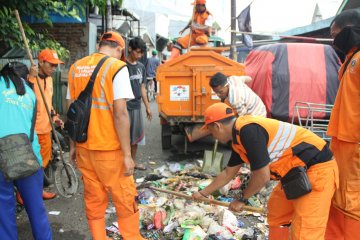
60, 172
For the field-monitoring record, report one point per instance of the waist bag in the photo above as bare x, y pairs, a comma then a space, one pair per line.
17, 157
296, 183
78, 114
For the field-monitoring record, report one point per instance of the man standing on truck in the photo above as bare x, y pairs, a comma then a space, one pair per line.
344, 128
200, 29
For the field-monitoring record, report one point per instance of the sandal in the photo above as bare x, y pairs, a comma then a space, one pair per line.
140, 166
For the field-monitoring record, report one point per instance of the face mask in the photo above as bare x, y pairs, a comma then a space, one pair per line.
201, 11
348, 38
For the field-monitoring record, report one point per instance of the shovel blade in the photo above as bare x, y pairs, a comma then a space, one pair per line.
212, 163
207, 161
217, 164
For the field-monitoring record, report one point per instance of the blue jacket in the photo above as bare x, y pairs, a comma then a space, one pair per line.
17, 113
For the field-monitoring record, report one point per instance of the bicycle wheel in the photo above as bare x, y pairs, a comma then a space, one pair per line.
66, 185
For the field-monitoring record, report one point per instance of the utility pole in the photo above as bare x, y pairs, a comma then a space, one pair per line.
108, 15
233, 52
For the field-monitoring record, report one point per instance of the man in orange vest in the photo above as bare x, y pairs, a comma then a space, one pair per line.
200, 27
274, 150
105, 158
344, 127
48, 62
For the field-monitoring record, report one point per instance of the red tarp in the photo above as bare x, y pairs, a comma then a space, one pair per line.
286, 73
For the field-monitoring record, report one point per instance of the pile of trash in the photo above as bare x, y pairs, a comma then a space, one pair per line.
166, 216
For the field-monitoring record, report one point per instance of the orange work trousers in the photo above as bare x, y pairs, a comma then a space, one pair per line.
103, 172
344, 219
45, 142
308, 214
196, 39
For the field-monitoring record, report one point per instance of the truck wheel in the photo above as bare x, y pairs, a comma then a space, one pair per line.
165, 136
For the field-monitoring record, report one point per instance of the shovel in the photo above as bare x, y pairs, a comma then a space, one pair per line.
213, 160
205, 200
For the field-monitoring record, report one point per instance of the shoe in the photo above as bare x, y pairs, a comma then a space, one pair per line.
48, 195
19, 199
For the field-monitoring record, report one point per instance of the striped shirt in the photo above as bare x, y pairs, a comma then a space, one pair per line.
243, 99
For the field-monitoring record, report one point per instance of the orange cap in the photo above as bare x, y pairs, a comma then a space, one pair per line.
202, 2
217, 112
113, 36
50, 56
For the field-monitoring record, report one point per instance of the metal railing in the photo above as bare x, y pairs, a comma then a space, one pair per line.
313, 116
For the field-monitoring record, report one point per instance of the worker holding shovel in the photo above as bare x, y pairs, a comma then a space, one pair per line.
281, 151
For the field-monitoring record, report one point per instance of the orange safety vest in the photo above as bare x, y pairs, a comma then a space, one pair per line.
283, 139
101, 131
200, 18
42, 125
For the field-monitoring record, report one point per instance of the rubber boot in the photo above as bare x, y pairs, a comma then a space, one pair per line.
175, 52
129, 227
97, 228
279, 233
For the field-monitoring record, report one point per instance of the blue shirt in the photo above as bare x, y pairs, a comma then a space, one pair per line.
17, 113
151, 66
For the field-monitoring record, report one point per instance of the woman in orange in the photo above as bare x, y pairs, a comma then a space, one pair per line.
200, 29
344, 127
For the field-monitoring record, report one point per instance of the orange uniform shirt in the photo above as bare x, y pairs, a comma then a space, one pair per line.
101, 130
201, 18
42, 125
345, 117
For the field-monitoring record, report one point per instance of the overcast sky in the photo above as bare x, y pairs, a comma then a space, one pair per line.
267, 16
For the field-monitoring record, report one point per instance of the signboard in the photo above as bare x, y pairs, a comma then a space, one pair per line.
179, 92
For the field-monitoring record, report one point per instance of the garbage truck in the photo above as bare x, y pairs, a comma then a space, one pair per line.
184, 90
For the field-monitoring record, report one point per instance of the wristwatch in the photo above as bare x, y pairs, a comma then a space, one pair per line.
241, 198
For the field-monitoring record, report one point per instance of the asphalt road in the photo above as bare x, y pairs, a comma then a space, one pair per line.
71, 223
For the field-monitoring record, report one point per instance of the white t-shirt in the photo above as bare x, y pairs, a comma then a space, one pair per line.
209, 21
121, 86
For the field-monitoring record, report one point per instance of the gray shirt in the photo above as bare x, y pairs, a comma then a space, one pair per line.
137, 77
151, 66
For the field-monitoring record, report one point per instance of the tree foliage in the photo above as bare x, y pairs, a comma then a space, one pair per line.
10, 35
102, 4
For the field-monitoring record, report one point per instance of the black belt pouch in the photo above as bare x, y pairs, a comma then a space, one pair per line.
296, 183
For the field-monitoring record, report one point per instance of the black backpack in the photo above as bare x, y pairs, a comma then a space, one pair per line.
78, 114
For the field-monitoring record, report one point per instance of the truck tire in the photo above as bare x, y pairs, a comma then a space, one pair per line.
165, 136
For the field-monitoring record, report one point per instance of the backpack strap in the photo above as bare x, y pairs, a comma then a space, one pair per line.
33, 121
89, 87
